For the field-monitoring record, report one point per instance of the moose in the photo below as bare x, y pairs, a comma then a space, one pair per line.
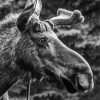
28, 44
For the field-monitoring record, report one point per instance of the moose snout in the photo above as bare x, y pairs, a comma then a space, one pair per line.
80, 67
84, 75
75, 65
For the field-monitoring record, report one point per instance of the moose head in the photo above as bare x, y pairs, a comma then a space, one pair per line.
48, 52
38, 49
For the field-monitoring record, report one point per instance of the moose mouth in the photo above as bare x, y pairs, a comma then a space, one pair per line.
72, 87
72, 84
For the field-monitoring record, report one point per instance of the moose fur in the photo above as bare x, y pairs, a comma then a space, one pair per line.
30, 45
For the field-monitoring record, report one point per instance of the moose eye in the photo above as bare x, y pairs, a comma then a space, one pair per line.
43, 41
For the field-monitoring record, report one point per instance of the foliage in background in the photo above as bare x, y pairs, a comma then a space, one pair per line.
84, 38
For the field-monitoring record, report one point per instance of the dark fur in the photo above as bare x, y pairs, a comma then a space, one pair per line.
13, 49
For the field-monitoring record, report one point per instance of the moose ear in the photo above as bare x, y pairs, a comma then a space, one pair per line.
32, 9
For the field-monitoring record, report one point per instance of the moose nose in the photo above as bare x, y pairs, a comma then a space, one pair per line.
76, 64
78, 84
83, 70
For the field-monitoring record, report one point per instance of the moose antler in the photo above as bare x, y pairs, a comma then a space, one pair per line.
66, 17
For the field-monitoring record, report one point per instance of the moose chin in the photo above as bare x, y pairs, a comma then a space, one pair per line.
30, 44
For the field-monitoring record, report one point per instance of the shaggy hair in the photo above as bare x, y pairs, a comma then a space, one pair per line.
9, 34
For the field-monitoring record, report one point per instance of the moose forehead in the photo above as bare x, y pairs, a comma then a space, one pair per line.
41, 28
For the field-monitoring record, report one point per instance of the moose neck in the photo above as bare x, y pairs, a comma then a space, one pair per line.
8, 76
27, 57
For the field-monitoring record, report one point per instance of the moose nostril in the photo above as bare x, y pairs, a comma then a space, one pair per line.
69, 86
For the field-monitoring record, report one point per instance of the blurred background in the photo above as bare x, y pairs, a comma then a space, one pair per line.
83, 38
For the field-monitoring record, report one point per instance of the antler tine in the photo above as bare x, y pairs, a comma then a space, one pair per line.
66, 17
